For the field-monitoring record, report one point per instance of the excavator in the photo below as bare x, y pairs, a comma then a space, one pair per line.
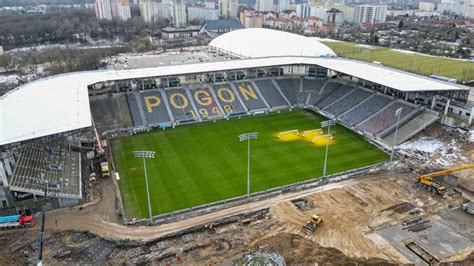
316, 221
426, 180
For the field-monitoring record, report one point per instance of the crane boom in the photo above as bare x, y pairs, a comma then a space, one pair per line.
444, 172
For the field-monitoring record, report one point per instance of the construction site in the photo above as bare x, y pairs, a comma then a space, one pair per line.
150, 161
386, 217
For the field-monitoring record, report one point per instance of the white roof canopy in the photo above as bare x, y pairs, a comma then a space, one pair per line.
257, 42
60, 103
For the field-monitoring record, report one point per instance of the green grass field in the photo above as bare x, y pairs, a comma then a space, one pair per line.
425, 65
202, 163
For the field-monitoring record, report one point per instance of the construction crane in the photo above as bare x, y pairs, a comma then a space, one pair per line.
316, 221
426, 180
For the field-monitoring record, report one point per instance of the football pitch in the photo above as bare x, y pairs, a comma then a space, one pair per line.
205, 162
421, 64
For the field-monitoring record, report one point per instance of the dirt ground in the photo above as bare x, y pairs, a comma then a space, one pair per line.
353, 211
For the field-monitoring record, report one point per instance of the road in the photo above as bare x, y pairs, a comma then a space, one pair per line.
100, 218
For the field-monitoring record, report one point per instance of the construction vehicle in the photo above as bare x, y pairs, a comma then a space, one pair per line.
104, 167
426, 180
315, 222
22, 220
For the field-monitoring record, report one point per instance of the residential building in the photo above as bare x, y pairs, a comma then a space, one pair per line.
121, 9
210, 5
283, 5
287, 14
228, 8
179, 15
308, 10
251, 19
112, 9
149, 10
426, 6
264, 5
334, 16
103, 9
165, 11
200, 13
214, 28
371, 14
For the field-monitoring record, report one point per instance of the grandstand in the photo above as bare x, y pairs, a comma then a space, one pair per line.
365, 109
361, 96
385, 118
271, 94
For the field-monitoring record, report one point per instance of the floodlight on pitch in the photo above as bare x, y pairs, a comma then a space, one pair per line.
247, 136
144, 154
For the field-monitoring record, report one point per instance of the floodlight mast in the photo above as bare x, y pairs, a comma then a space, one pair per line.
144, 155
398, 113
328, 124
247, 137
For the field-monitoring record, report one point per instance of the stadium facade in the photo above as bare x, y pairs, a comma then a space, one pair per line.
42, 122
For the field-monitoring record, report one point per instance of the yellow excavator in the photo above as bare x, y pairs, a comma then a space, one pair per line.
426, 180
316, 221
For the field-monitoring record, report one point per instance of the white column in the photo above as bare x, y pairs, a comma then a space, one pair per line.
433, 103
447, 107
471, 117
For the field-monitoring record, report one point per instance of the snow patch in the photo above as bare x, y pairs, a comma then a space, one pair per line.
423, 144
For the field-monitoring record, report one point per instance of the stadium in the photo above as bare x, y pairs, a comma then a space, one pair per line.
280, 85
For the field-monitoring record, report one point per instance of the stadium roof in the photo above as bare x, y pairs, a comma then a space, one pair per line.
60, 103
257, 42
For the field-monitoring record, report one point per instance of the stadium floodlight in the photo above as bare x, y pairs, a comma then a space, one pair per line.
398, 113
247, 137
328, 124
144, 155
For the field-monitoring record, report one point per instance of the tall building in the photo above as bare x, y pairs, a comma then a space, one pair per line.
251, 19
121, 9
228, 8
202, 13
112, 9
264, 5
308, 10
283, 5
149, 10
370, 14
210, 5
103, 9
179, 15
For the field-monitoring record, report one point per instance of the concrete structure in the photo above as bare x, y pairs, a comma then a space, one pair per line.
179, 15
228, 8
264, 5
251, 19
202, 14
371, 14
103, 9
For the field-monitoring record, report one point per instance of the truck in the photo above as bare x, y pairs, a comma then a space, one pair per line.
22, 220
104, 167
